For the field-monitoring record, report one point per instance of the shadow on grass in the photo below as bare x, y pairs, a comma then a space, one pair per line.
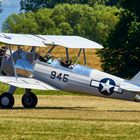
54, 108
70, 108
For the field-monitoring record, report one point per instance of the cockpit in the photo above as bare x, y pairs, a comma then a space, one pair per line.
66, 62
48, 58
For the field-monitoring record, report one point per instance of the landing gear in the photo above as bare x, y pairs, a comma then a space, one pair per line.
6, 100
29, 100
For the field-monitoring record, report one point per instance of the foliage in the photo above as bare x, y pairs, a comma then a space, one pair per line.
121, 54
133, 6
21, 23
105, 2
93, 23
34, 5
0, 8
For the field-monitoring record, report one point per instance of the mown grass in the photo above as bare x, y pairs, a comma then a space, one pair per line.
68, 130
71, 118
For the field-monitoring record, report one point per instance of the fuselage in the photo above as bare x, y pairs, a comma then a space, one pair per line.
76, 78
81, 79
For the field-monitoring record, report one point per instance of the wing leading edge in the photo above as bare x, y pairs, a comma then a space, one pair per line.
71, 41
45, 40
28, 83
21, 39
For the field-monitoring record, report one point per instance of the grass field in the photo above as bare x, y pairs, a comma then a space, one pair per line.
71, 117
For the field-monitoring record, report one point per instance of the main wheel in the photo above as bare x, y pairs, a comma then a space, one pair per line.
6, 100
29, 100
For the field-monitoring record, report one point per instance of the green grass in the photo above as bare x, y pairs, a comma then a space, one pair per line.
71, 118
67, 130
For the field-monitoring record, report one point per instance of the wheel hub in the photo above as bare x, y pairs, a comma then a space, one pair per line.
28, 100
5, 101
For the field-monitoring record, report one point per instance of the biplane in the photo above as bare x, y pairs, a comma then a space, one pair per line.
29, 70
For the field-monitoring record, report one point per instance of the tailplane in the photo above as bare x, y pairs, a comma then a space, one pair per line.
132, 85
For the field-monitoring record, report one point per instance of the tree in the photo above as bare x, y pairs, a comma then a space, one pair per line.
105, 2
133, 6
0, 8
94, 23
21, 23
34, 5
121, 54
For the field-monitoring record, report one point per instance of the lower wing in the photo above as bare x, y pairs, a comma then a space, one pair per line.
27, 83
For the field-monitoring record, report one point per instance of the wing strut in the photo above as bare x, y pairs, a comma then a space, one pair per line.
50, 50
67, 54
3, 60
84, 54
13, 63
79, 53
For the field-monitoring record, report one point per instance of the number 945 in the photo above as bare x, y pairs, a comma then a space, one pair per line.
60, 76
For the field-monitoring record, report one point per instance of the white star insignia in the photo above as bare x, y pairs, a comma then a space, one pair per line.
106, 86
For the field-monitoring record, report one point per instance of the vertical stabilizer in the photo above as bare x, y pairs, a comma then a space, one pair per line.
136, 78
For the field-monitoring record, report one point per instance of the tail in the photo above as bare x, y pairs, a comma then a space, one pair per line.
136, 78
133, 84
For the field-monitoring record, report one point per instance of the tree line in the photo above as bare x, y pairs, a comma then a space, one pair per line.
121, 55
93, 23
0, 8
113, 23
34, 5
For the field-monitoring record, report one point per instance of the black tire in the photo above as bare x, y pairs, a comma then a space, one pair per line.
29, 100
6, 100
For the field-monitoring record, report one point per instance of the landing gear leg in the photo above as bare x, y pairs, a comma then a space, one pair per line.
29, 99
6, 99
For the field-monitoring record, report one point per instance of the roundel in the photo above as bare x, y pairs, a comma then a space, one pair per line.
106, 86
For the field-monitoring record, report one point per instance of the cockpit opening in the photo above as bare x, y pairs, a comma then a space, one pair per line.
48, 58
66, 63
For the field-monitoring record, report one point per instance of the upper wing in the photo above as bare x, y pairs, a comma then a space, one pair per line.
71, 41
21, 39
44, 40
28, 83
